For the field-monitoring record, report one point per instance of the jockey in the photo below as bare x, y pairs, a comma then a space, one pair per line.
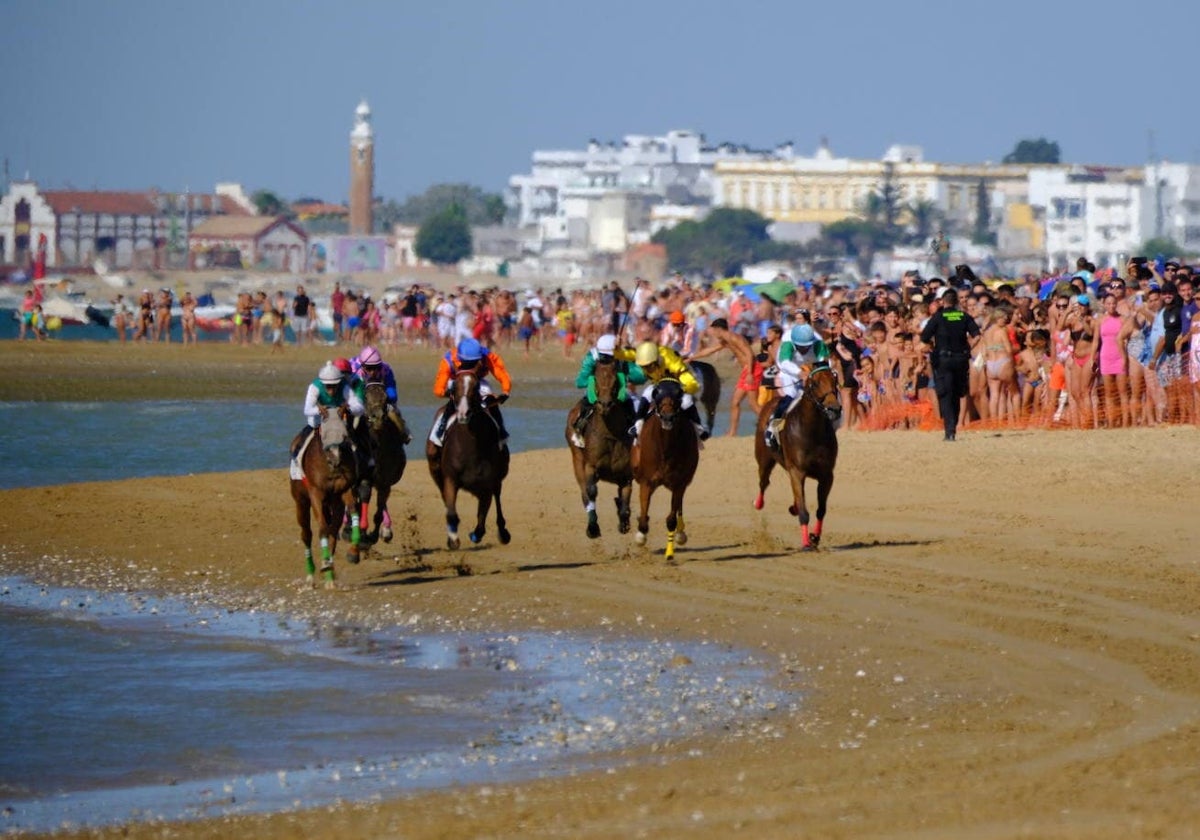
659, 363
796, 356
369, 366
330, 390
471, 355
628, 375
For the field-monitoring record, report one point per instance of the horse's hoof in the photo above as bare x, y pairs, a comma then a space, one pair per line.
680, 538
311, 581
386, 535
792, 510
639, 538
808, 547
593, 530
474, 537
330, 584
353, 556
623, 526
815, 539
758, 502
452, 543
505, 537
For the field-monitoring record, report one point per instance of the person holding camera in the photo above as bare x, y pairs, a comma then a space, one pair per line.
750, 377
950, 331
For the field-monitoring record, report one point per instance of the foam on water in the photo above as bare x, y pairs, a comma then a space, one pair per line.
123, 707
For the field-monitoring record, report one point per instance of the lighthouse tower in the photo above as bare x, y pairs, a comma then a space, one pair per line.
362, 171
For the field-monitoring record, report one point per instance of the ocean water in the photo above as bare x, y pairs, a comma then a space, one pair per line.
67, 442
121, 707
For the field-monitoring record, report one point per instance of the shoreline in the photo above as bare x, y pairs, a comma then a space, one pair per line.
992, 641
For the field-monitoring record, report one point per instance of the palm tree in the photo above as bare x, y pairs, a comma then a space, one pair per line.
923, 218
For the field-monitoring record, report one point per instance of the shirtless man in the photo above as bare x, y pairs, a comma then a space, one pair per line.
751, 376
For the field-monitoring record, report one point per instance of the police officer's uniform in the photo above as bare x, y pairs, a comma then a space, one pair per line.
948, 330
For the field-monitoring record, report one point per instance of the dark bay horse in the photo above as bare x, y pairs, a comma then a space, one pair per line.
470, 458
330, 475
387, 450
605, 454
710, 390
665, 454
808, 448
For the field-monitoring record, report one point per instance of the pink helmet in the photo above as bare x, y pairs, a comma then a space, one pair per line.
370, 356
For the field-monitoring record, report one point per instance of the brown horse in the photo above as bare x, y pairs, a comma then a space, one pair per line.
387, 450
710, 390
665, 454
807, 448
330, 474
470, 458
605, 454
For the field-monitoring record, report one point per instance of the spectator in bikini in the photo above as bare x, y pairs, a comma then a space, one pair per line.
1080, 369
751, 375
1033, 369
144, 316
121, 315
188, 318
998, 365
162, 316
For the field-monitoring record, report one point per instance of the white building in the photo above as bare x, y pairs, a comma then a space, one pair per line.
1096, 212
569, 193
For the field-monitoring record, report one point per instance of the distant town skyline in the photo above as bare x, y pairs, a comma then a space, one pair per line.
132, 94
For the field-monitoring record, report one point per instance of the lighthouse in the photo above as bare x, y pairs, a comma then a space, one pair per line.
362, 171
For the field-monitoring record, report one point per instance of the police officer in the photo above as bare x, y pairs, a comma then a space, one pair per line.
948, 331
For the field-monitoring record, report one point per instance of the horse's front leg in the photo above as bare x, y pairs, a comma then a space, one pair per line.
450, 500
646, 490
505, 537
624, 493
481, 512
824, 485
382, 523
304, 520
799, 508
765, 459
675, 530
350, 508
590, 490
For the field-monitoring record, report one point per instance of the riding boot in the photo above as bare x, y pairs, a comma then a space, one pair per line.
775, 423
494, 411
579, 427
639, 418
693, 414
401, 426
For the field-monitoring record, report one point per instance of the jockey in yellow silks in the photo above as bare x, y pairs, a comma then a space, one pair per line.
658, 363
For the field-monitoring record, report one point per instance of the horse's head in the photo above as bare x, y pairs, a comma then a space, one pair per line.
608, 383
376, 405
335, 439
822, 389
668, 401
465, 393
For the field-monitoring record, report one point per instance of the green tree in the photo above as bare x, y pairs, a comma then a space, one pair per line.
923, 218
727, 239
479, 207
445, 238
983, 235
859, 239
1164, 245
1040, 150
270, 204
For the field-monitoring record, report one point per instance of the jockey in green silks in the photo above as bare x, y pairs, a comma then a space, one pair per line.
627, 375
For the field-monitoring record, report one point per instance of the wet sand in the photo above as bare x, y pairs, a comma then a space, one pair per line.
980, 652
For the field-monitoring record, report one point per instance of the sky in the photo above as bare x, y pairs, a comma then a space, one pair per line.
134, 94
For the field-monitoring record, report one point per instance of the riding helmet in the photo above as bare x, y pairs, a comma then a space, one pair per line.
370, 357
470, 350
329, 374
606, 344
342, 364
803, 335
647, 353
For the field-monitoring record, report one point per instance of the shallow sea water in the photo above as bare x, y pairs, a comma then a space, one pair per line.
122, 707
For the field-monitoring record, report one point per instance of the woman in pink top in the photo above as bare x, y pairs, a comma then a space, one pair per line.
1113, 335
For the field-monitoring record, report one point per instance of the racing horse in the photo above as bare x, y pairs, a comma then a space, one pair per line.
808, 448
665, 454
387, 449
470, 458
605, 453
330, 475
710, 390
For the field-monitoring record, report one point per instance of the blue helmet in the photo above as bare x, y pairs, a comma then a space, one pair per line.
803, 335
470, 350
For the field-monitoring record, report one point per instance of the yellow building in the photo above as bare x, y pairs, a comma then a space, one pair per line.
823, 189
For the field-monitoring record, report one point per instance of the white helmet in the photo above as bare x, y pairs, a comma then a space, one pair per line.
606, 344
329, 374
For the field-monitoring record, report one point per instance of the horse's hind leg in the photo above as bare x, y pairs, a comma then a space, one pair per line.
675, 532
766, 463
304, 520
800, 509
589, 504
382, 523
624, 492
450, 499
824, 485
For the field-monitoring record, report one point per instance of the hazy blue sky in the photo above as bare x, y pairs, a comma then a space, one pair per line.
131, 94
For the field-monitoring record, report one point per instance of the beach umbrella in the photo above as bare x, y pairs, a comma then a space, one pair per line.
727, 284
776, 290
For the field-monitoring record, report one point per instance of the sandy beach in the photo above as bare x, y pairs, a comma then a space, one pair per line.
999, 637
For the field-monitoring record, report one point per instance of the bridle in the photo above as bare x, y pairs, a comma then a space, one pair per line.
832, 410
